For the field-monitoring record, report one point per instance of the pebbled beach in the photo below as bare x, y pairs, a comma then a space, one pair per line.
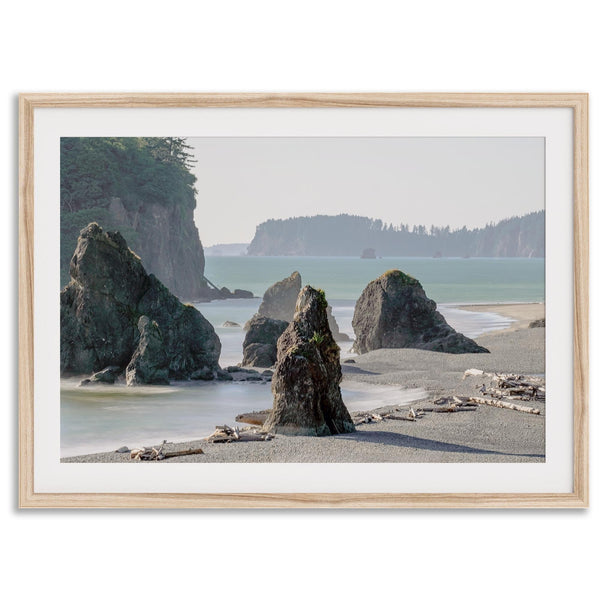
487, 434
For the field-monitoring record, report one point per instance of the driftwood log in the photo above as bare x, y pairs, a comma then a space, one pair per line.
257, 417
510, 386
224, 434
360, 418
152, 453
497, 403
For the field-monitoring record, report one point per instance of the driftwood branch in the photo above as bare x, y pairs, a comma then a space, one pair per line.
152, 453
186, 452
224, 434
499, 404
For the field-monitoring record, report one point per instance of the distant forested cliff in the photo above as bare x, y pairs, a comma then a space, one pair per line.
349, 235
144, 188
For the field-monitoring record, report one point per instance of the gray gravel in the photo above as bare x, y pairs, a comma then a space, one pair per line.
488, 434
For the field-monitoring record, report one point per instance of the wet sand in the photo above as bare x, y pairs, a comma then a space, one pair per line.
522, 314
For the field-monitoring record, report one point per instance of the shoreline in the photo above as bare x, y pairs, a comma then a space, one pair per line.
487, 434
521, 313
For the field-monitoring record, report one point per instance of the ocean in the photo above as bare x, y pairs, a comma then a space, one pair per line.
104, 418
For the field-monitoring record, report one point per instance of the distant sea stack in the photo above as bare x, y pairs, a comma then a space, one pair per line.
346, 235
114, 314
306, 383
142, 187
394, 312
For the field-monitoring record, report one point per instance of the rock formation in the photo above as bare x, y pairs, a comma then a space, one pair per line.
101, 308
149, 363
338, 336
279, 302
394, 312
306, 383
106, 376
537, 323
260, 343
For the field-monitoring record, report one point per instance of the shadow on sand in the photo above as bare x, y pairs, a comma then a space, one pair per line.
407, 441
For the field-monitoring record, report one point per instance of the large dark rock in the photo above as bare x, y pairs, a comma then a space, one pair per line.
306, 383
394, 312
149, 363
101, 306
260, 343
279, 301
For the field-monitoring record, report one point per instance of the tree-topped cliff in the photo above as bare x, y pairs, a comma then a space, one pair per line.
349, 235
144, 188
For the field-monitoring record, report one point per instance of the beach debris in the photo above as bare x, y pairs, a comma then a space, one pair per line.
153, 453
452, 404
475, 372
123, 450
224, 434
502, 404
185, 452
460, 403
257, 417
510, 386
362, 418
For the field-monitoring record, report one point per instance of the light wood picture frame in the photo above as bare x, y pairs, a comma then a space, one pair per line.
31, 103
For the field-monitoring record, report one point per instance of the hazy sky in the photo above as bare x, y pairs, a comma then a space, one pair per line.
430, 181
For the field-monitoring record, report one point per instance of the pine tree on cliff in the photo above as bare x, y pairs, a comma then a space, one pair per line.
144, 188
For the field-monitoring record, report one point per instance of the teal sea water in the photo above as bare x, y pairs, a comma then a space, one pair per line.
446, 280
100, 419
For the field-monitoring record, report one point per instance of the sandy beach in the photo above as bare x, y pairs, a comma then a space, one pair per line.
487, 434
522, 314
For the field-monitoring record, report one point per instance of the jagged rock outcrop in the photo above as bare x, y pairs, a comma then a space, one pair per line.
167, 239
101, 307
260, 343
394, 312
306, 383
149, 363
279, 302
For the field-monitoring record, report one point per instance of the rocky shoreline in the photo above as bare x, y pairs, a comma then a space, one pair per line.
488, 434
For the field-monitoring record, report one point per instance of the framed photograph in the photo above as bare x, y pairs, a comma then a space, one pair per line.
303, 300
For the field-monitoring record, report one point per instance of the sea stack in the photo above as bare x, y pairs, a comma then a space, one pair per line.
306, 383
102, 307
260, 343
279, 302
394, 312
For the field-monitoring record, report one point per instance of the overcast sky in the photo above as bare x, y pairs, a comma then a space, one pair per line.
430, 181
